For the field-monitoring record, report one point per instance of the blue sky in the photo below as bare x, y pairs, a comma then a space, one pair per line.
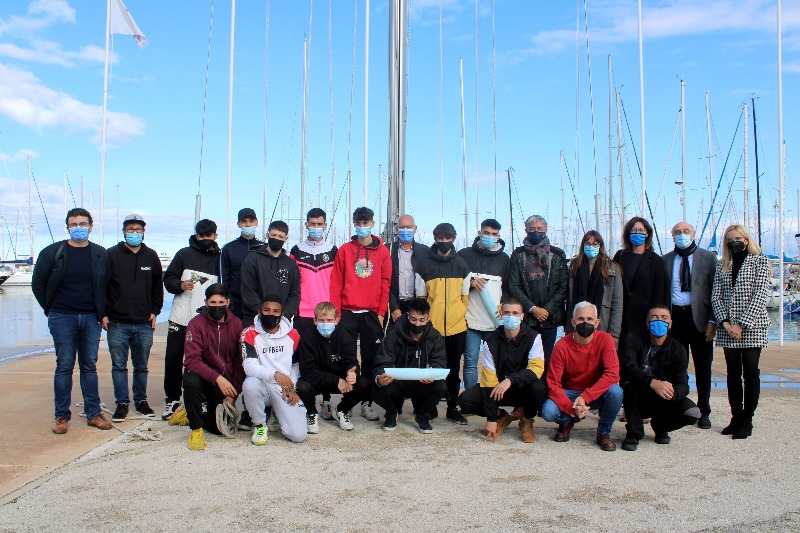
51, 79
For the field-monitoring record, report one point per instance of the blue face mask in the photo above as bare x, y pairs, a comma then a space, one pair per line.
637, 239
511, 322
316, 234
79, 234
488, 242
591, 251
658, 328
326, 328
249, 231
362, 232
683, 241
134, 239
405, 235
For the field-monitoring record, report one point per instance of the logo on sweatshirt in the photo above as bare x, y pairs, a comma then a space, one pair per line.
283, 275
364, 268
147, 268
188, 335
326, 258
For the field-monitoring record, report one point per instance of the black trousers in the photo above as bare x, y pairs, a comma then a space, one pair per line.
403, 306
196, 390
454, 346
303, 325
665, 415
173, 361
367, 328
685, 332
308, 394
743, 363
424, 397
548, 342
530, 397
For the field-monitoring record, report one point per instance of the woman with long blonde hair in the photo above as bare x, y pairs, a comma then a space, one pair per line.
739, 300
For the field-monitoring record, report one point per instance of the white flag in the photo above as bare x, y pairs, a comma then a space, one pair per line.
122, 23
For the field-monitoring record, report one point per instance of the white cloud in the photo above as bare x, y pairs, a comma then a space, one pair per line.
27, 101
792, 66
50, 53
20, 155
42, 14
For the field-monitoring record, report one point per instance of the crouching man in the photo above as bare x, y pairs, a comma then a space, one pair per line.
413, 343
328, 365
269, 348
653, 368
512, 363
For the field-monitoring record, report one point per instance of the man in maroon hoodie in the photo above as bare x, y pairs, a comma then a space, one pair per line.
214, 371
360, 282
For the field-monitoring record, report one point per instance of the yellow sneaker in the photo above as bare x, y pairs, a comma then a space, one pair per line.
179, 418
196, 440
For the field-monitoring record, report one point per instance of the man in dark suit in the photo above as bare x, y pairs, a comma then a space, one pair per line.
690, 276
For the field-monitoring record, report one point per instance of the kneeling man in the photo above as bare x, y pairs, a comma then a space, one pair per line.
413, 343
512, 363
584, 375
269, 347
653, 368
328, 365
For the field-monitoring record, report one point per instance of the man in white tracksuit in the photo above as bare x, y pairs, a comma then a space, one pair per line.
269, 349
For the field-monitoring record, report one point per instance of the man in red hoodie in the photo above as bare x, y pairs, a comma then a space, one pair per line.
360, 282
584, 375
214, 371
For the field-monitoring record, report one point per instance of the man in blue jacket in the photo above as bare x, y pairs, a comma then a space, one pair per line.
69, 282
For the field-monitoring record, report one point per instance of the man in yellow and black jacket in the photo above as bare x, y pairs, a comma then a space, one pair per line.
440, 279
512, 363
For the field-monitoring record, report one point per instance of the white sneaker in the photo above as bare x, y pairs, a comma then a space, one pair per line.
260, 436
169, 409
273, 424
343, 419
368, 413
326, 412
313, 426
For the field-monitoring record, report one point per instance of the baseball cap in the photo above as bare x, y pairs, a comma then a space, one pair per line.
246, 212
133, 218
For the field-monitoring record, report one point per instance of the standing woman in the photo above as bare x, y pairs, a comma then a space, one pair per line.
643, 275
739, 300
594, 278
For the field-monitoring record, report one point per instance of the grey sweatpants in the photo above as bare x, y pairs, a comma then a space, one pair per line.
258, 394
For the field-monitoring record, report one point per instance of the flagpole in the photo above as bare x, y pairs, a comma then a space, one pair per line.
782, 172
104, 126
230, 126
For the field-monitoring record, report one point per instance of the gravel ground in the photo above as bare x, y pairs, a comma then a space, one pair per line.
369, 480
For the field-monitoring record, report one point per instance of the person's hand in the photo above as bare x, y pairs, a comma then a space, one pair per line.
490, 430
225, 386
580, 407
104, 323
351, 376
711, 330
663, 388
291, 397
285, 382
231, 400
152, 321
616, 342
381, 319
344, 387
187, 285
478, 283
500, 389
735, 331
426, 381
498, 313
384, 379
396, 314
540, 313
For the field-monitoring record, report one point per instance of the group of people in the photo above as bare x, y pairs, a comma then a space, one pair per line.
280, 329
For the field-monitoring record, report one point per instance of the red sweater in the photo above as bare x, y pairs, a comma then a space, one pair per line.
591, 368
361, 277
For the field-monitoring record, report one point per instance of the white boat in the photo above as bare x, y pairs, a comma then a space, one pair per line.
22, 276
5, 273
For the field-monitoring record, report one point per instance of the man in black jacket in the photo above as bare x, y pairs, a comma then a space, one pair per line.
69, 282
513, 362
328, 364
406, 255
655, 381
134, 297
233, 255
413, 343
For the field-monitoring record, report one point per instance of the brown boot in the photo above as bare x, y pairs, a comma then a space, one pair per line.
99, 422
503, 422
526, 430
61, 425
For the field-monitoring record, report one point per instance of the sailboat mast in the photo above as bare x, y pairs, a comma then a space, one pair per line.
66, 232
230, 125
366, 96
641, 113
103, 127
782, 169
305, 129
464, 150
511, 208
397, 113
758, 176
746, 184
30, 207
710, 169
563, 210
621, 166
610, 239
683, 148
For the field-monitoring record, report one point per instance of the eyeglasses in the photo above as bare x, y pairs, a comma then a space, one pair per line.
636, 231
78, 225
134, 230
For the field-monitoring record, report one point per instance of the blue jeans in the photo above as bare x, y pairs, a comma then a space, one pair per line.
472, 352
139, 339
75, 335
609, 405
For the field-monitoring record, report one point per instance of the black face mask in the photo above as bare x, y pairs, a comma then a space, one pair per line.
736, 247
584, 329
217, 312
274, 244
443, 248
416, 329
269, 322
206, 244
536, 236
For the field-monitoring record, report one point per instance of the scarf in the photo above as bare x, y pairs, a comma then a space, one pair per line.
589, 286
537, 258
686, 273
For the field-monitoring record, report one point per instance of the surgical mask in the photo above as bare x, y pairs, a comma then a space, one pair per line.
735, 247
249, 231
637, 239
315, 234
488, 242
217, 312
585, 329
658, 328
443, 248
683, 241
535, 237
405, 235
326, 328
274, 244
511, 322
416, 329
134, 239
268, 322
591, 251
79, 234
362, 232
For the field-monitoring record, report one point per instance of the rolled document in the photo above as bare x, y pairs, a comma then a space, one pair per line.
491, 306
414, 374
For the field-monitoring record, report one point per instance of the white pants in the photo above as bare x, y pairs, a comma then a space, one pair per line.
258, 394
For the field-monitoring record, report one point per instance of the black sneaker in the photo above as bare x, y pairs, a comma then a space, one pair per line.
120, 413
630, 444
424, 425
390, 422
704, 422
245, 422
454, 415
663, 438
143, 408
